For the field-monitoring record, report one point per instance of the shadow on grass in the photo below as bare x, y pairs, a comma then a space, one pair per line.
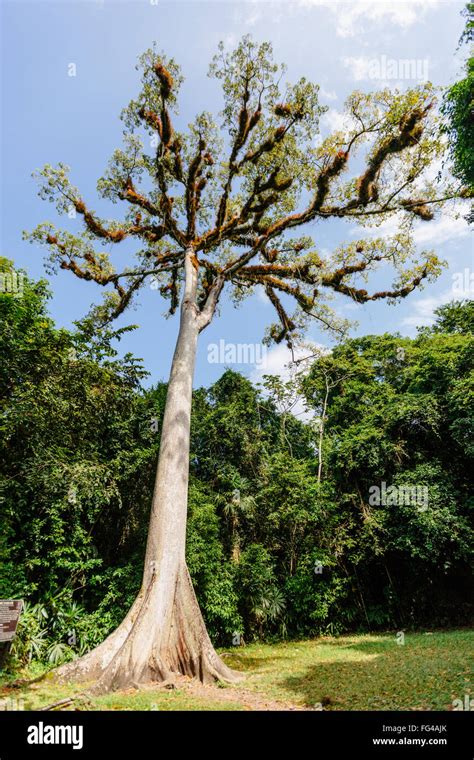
380, 675
246, 663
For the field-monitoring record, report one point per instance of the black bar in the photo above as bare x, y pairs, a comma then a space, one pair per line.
130, 735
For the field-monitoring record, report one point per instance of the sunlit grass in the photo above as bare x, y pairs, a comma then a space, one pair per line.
365, 672
47, 693
360, 672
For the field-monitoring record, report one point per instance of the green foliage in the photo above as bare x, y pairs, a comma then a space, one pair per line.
283, 540
454, 317
262, 602
30, 641
458, 107
53, 632
68, 412
212, 574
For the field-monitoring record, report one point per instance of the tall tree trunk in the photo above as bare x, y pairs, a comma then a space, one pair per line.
321, 434
163, 633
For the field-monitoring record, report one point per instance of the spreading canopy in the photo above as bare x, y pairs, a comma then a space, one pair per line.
245, 196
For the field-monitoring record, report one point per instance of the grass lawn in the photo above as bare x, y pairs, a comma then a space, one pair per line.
360, 672
364, 672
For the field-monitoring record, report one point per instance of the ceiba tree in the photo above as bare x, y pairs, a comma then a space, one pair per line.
212, 207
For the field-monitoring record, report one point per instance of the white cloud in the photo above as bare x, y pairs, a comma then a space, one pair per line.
359, 67
423, 308
278, 362
335, 121
253, 18
327, 94
449, 225
230, 40
422, 311
351, 16
441, 230
249, 13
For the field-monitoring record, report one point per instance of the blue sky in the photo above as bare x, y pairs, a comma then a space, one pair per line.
48, 116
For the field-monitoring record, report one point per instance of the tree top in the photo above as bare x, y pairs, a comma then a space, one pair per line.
239, 198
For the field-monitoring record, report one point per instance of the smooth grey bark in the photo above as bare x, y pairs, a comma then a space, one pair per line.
163, 634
